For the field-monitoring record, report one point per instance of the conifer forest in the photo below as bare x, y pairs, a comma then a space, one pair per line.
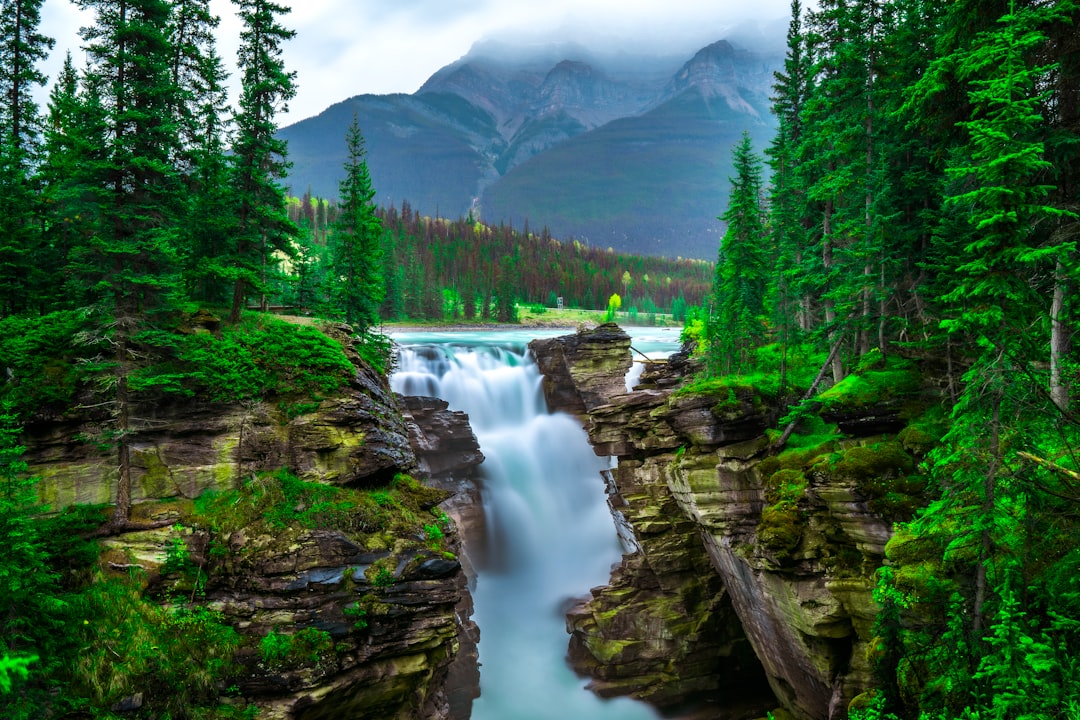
915, 219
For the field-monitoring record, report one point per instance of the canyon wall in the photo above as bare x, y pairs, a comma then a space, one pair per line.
747, 564
395, 606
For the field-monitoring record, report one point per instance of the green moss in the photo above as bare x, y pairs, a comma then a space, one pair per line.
780, 529
786, 484
607, 650
873, 382
924, 433
273, 502
881, 472
156, 479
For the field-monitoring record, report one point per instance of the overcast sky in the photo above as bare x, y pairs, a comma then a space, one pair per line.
350, 47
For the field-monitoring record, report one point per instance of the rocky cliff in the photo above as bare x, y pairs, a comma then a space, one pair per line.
738, 548
361, 588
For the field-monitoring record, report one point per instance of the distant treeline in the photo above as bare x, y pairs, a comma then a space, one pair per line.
435, 268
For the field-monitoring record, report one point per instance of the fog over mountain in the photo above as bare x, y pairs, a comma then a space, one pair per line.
620, 148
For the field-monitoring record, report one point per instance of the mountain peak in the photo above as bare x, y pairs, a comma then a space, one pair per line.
721, 70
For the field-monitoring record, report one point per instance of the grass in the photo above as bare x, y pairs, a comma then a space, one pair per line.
273, 502
874, 381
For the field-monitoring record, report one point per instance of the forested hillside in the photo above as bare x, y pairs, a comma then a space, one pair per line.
922, 215
463, 270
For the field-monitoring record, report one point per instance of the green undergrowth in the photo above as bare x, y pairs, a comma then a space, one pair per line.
45, 360
100, 641
875, 380
259, 357
274, 502
50, 359
131, 645
776, 374
306, 647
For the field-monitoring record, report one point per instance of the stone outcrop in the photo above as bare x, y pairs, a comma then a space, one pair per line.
396, 609
583, 371
179, 448
791, 571
448, 455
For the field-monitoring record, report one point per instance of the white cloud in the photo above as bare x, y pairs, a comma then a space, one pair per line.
345, 48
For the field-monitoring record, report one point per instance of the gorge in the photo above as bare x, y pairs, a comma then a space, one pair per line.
741, 582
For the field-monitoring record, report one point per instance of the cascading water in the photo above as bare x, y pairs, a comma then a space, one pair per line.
551, 536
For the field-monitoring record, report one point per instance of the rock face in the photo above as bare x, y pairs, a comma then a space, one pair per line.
583, 371
183, 447
694, 483
401, 641
448, 454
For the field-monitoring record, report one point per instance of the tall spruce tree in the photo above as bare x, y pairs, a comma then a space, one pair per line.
131, 259
356, 249
76, 145
259, 158
789, 213
199, 77
742, 269
22, 47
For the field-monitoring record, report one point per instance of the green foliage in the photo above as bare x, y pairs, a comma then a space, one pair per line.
32, 608
736, 326
306, 647
176, 657
258, 155
381, 573
377, 350
42, 356
356, 250
260, 357
14, 667
358, 614
613, 304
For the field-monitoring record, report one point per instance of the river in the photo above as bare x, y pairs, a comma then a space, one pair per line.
551, 537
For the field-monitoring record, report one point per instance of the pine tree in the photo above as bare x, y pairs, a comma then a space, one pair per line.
202, 123
356, 248
76, 144
788, 210
131, 258
1001, 185
22, 47
259, 158
736, 326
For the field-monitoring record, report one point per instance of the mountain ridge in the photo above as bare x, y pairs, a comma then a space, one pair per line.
529, 140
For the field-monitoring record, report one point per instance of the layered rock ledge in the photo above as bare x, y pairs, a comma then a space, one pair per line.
723, 589
402, 644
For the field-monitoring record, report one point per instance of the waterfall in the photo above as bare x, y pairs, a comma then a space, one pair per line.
550, 537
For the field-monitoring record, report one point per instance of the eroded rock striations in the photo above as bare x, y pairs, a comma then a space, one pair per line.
401, 641
720, 569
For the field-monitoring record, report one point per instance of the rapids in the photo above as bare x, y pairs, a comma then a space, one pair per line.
550, 537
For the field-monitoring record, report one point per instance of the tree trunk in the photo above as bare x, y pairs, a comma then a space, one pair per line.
1059, 339
827, 302
122, 511
237, 301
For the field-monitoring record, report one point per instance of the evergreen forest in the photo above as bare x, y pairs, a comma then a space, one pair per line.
916, 212
919, 214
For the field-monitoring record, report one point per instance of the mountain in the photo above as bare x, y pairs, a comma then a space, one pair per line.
611, 148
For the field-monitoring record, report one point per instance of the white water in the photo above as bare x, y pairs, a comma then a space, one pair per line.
550, 534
